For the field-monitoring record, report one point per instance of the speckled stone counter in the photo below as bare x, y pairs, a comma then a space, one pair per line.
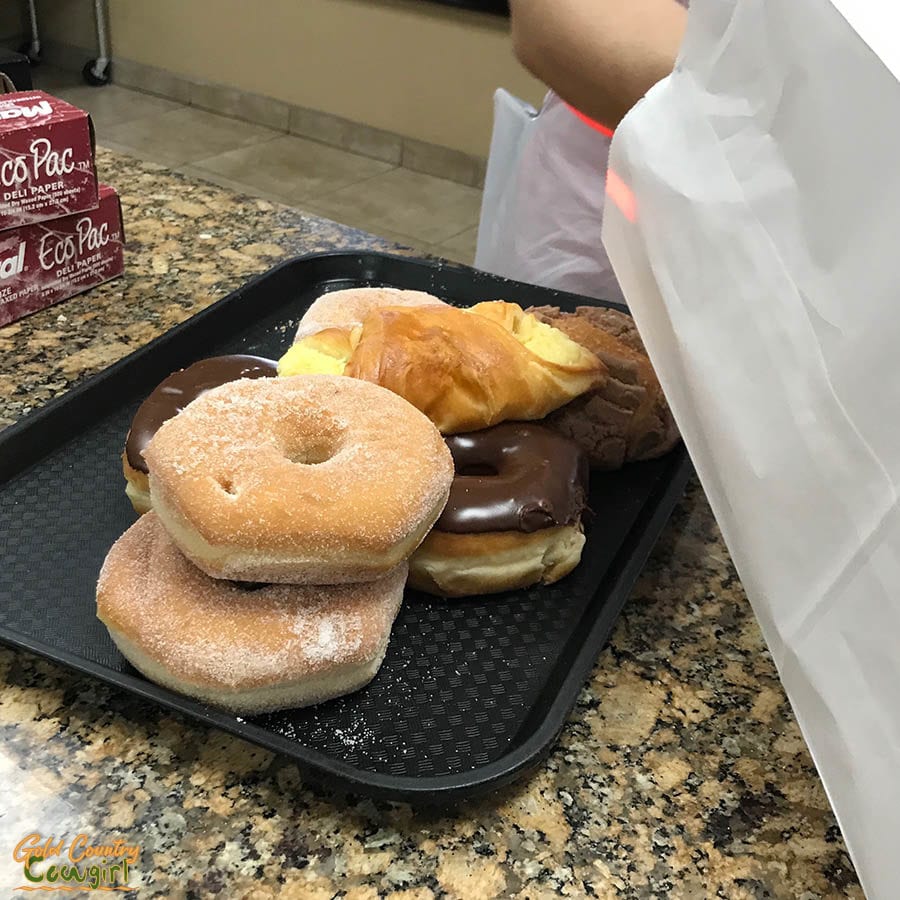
681, 772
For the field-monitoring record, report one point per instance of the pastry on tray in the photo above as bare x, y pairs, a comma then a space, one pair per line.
464, 368
247, 647
348, 308
624, 417
513, 519
306, 480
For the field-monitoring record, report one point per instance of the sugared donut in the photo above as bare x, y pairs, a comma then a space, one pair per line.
348, 308
513, 518
313, 479
168, 399
248, 648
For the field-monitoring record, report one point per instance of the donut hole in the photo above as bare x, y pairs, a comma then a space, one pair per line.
227, 485
478, 470
312, 452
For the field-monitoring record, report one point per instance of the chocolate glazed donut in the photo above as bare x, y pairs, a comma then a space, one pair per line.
168, 399
514, 514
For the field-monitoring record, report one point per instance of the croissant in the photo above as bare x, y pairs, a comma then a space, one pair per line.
466, 369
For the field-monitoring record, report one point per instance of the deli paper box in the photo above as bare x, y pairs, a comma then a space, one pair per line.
46, 159
44, 263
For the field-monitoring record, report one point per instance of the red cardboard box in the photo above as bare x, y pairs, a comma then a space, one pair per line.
48, 262
46, 159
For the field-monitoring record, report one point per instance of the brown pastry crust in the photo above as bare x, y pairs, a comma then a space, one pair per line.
465, 369
624, 418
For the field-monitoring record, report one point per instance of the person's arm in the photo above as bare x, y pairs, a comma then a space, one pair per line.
601, 56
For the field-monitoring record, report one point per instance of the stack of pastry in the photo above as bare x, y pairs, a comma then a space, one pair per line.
403, 437
272, 565
587, 394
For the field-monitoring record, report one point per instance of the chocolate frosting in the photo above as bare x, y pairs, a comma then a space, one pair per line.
514, 477
180, 388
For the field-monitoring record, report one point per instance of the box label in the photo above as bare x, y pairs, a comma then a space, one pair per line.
44, 263
46, 159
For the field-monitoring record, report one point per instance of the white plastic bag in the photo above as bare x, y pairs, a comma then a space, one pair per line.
542, 209
753, 225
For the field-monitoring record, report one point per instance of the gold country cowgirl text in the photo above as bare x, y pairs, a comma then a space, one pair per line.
82, 863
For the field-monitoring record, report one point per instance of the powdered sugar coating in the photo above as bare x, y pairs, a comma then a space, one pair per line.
215, 634
333, 474
347, 309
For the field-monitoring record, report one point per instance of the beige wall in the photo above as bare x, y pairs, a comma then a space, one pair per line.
67, 21
415, 68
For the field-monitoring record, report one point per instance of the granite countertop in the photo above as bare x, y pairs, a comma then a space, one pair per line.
680, 773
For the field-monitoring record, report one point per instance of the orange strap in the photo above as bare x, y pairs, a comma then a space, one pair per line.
593, 124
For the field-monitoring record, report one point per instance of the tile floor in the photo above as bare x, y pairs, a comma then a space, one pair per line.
420, 211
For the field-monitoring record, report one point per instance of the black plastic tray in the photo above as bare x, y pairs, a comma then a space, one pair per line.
472, 693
